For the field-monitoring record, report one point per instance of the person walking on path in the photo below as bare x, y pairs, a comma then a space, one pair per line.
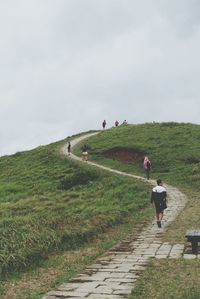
85, 152
104, 124
147, 167
116, 123
158, 198
69, 148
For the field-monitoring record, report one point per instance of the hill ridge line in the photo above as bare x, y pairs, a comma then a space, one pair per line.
114, 275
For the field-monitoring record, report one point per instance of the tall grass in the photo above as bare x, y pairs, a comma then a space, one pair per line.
169, 279
49, 203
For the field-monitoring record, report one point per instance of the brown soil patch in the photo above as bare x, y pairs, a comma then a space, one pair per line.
125, 154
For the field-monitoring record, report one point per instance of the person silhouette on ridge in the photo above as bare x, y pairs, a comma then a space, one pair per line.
104, 124
69, 148
116, 123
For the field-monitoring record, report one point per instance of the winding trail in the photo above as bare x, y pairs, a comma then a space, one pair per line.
113, 276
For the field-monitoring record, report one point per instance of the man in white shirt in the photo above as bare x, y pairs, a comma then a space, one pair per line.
158, 197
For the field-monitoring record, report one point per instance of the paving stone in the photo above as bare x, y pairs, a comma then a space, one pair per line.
110, 266
138, 268
103, 290
177, 251
121, 280
123, 269
189, 256
94, 266
85, 278
132, 275
98, 296
123, 292
178, 247
88, 287
109, 270
132, 259
68, 294
175, 256
164, 256
68, 286
100, 276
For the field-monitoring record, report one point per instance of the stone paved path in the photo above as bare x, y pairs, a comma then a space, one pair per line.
113, 276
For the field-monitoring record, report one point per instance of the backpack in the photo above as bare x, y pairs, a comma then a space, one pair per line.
148, 165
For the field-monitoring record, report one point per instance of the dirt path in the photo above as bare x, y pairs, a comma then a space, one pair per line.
114, 275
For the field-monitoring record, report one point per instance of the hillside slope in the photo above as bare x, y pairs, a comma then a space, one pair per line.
174, 150
49, 203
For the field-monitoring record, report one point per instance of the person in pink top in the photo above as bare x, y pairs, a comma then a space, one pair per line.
147, 167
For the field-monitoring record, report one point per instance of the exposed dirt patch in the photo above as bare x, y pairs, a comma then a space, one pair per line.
125, 154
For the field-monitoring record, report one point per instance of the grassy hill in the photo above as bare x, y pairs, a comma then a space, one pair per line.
52, 207
174, 150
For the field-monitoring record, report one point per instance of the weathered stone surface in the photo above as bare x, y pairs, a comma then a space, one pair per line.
68, 294
103, 290
98, 296
189, 256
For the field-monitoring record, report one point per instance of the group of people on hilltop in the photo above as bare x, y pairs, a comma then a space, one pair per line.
104, 123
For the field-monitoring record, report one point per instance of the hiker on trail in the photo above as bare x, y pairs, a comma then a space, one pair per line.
104, 124
69, 148
85, 152
158, 198
147, 167
116, 123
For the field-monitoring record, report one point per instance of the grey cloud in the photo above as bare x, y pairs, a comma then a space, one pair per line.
66, 65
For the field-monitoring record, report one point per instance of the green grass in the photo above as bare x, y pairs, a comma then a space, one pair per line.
49, 203
169, 145
169, 279
63, 265
51, 206
174, 150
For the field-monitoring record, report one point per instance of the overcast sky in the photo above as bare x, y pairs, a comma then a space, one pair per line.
65, 65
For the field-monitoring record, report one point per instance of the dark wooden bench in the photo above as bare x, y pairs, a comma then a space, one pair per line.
193, 236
